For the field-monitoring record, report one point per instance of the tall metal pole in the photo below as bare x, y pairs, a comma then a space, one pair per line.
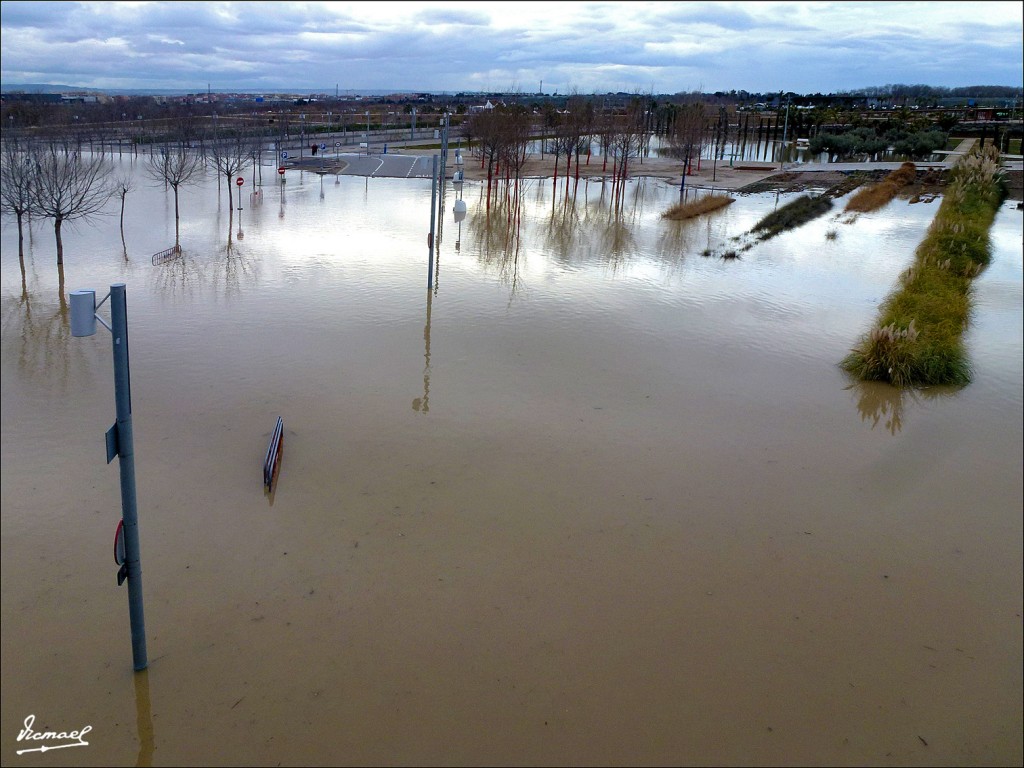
126, 452
785, 129
433, 219
444, 145
444, 162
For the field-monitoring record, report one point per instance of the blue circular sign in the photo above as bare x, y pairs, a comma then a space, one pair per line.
323, 146
284, 155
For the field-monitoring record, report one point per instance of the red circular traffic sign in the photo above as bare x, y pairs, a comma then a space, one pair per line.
119, 556
239, 181
280, 170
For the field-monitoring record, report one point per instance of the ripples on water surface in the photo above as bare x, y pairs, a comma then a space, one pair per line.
595, 498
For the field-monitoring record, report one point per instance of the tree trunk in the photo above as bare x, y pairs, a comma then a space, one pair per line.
60, 291
21, 254
123, 244
21, 241
60, 245
176, 218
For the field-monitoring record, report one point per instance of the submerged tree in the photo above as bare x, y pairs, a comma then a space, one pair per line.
68, 186
176, 166
122, 185
17, 170
231, 154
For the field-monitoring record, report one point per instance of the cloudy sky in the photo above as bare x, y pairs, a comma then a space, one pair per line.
664, 47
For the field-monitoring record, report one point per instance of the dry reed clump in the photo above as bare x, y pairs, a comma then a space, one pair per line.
919, 337
705, 204
877, 195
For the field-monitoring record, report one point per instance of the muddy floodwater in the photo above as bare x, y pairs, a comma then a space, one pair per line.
593, 499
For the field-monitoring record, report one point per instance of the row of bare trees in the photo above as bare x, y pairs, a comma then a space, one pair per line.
504, 133
60, 180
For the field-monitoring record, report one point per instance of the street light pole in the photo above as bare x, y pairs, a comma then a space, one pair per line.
444, 162
785, 130
120, 443
433, 221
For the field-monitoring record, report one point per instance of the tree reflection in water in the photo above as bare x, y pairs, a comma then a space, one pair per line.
498, 232
37, 335
233, 270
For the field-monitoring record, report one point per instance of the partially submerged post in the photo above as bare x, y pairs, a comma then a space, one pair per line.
433, 219
121, 443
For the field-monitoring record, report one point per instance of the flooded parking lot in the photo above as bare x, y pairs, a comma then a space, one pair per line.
594, 498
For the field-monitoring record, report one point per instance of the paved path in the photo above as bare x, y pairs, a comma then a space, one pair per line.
390, 165
951, 156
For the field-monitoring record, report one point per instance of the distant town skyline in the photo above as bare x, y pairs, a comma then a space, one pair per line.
660, 47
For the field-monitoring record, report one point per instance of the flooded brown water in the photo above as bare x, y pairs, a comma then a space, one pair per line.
593, 500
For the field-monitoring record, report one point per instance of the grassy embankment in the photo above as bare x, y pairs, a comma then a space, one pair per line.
918, 339
873, 197
792, 215
705, 204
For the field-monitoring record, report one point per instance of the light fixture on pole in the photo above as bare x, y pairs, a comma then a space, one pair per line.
120, 443
459, 209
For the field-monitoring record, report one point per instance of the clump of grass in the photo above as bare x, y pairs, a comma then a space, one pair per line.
919, 337
705, 204
730, 255
873, 197
832, 234
792, 215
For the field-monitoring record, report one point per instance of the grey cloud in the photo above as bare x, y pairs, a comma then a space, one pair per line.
310, 46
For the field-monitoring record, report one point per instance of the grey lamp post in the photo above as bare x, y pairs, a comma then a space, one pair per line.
120, 442
785, 130
433, 221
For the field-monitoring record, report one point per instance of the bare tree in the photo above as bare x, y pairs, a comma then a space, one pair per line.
68, 186
516, 124
231, 154
487, 127
580, 125
176, 166
553, 121
17, 169
628, 139
123, 184
686, 135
